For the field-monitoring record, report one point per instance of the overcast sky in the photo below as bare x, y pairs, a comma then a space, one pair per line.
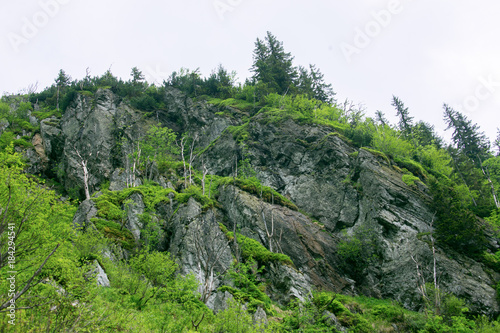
425, 52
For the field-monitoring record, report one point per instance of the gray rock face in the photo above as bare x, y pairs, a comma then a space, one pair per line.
36, 156
134, 210
51, 136
348, 192
101, 276
201, 247
331, 320
3, 125
85, 212
198, 119
260, 317
295, 235
118, 180
340, 189
218, 301
88, 131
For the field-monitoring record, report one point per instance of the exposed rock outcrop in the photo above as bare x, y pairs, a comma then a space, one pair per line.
338, 188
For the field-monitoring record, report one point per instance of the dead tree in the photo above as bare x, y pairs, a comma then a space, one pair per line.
205, 171
181, 146
270, 232
486, 173
421, 281
192, 157
84, 163
235, 224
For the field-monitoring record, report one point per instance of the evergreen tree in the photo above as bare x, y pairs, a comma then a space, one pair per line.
137, 76
467, 136
405, 121
62, 82
380, 117
311, 82
272, 65
475, 147
497, 142
425, 135
220, 83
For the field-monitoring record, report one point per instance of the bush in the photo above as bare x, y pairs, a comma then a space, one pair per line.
250, 248
409, 179
358, 251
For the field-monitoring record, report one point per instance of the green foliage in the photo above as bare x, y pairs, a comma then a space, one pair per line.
89, 244
250, 248
410, 179
115, 232
247, 289
436, 160
245, 170
240, 133
108, 210
252, 185
389, 142
272, 65
412, 166
196, 193
456, 226
232, 102
377, 153
358, 251
157, 267
234, 319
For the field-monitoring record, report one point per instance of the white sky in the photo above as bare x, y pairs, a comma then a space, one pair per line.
425, 52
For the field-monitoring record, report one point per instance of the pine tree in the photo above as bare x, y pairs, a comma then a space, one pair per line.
425, 135
405, 121
311, 82
137, 76
380, 116
467, 136
272, 65
62, 82
497, 142
472, 143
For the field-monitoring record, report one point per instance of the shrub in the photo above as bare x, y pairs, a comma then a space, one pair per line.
409, 179
250, 248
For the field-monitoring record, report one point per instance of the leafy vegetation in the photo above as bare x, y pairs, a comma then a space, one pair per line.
57, 264
250, 248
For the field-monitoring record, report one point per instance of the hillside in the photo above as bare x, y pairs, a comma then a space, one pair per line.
202, 206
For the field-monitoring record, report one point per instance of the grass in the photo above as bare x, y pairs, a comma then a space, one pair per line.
414, 167
250, 248
116, 232
410, 179
377, 153
44, 114
253, 186
235, 103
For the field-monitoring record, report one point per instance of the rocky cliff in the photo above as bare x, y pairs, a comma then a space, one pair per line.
340, 191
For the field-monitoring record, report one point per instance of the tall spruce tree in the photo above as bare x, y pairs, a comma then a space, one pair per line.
311, 82
62, 81
471, 142
272, 65
467, 137
405, 123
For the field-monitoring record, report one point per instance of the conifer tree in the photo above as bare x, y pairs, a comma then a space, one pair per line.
405, 121
471, 142
62, 81
467, 136
311, 82
272, 65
